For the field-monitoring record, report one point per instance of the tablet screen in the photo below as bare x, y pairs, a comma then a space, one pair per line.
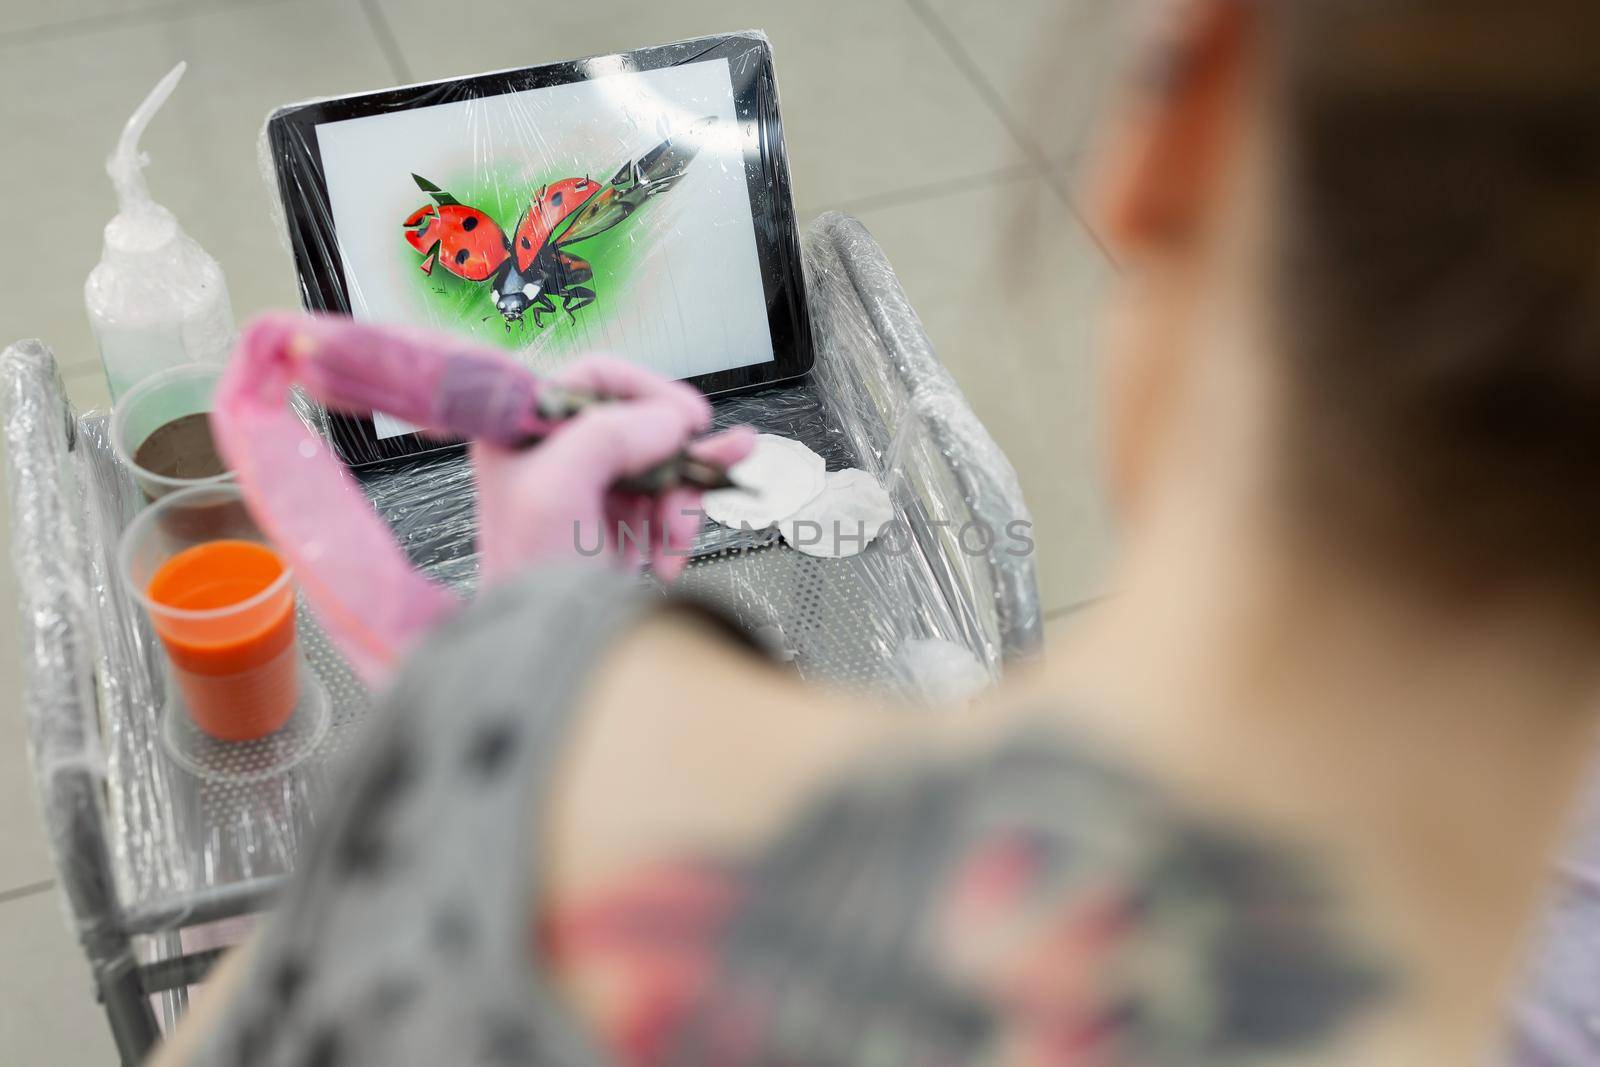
674, 282
634, 204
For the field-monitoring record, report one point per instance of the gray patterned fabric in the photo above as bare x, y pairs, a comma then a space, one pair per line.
405, 938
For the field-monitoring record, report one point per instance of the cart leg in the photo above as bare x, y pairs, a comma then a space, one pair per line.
133, 1022
86, 880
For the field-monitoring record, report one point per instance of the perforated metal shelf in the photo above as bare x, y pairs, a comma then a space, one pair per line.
246, 821
184, 846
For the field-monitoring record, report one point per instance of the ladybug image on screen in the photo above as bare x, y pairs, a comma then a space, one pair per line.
529, 270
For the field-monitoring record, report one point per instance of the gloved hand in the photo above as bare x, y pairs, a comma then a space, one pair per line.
555, 502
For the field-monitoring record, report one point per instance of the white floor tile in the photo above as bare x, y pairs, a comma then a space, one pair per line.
1008, 286
18, 17
1054, 63
48, 1013
66, 100
871, 103
87, 389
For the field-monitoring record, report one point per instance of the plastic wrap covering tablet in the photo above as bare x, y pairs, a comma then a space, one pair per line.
955, 566
635, 204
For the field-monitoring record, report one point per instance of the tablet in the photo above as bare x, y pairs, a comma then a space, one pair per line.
636, 204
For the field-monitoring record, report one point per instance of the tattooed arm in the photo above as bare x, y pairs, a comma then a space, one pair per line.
988, 896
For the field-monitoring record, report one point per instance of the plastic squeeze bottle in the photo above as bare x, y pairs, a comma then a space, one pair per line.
156, 299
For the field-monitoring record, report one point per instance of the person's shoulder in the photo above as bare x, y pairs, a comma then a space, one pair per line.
1033, 893
957, 888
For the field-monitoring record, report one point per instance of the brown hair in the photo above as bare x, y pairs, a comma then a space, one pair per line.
1441, 276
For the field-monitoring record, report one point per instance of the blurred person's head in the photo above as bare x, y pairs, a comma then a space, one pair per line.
1361, 251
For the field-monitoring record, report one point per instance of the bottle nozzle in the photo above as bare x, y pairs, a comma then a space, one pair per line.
126, 164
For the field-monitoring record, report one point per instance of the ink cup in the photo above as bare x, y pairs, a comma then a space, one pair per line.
240, 703
161, 430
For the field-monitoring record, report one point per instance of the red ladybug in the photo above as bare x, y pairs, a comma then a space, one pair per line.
464, 238
529, 271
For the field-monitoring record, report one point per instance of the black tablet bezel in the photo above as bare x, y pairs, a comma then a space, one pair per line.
297, 160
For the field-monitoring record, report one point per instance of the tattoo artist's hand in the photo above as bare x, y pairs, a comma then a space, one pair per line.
554, 502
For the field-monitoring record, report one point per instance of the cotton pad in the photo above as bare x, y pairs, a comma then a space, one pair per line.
775, 480
843, 519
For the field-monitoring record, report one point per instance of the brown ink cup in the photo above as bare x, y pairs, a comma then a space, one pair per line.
161, 431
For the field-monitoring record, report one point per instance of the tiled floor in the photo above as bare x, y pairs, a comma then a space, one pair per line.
950, 127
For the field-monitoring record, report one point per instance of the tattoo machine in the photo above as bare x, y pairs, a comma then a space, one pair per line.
453, 388
369, 599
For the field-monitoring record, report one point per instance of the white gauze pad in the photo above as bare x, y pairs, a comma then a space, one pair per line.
843, 519
774, 481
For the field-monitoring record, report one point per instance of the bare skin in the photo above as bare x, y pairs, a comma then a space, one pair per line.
1426, 747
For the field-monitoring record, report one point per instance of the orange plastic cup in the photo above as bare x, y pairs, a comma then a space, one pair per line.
222, 603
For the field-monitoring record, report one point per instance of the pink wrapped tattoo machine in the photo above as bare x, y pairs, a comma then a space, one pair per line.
369, 599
